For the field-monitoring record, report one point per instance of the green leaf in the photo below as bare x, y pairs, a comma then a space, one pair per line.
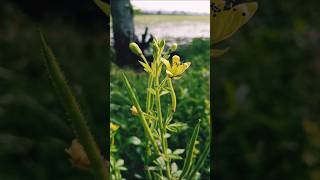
174, 156
177, 127
120, 163
164, 92
146, 67
134, 140
188, 161
178, 151
174, 167
200, 161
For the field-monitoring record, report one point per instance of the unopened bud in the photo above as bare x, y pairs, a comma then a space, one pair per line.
134, 111
113, 127
162, 43
174, 47
78, 156
135, 48
176, 59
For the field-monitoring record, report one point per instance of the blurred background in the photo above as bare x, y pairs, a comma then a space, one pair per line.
34, 130
266, 123
184, 22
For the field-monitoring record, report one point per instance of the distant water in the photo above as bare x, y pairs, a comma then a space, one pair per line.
174, 28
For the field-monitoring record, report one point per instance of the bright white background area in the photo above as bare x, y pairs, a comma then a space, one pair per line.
191, 6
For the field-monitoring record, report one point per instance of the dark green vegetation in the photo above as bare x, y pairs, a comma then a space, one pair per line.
192, 91
265, 88
34, 130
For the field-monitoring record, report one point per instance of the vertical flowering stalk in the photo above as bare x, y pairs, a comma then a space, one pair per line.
158, 126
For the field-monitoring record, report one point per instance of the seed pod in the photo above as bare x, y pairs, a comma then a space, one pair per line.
135, 48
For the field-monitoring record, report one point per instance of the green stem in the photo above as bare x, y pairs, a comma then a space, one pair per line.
162, 128
141, 115
73, 110
149, 95
173, 95
148, 154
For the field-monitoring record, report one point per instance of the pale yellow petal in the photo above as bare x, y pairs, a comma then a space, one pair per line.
166, 63
169, 73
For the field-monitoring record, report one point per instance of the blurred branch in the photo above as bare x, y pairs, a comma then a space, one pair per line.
73, 109
103, 6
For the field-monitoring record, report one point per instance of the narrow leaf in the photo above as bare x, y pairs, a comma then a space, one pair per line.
188, 161
200, 161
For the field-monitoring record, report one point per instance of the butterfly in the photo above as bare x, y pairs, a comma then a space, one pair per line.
227, 19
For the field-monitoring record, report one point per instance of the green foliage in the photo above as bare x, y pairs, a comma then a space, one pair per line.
34, 130
265, 86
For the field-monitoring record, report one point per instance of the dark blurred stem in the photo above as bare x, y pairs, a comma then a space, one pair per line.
77, 118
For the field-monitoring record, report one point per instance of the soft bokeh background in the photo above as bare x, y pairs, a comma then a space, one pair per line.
267, 100
34, 130
191, 31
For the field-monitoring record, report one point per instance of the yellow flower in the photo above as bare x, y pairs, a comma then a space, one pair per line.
134, 111
177, 68
113, 127
78, 156
227, 19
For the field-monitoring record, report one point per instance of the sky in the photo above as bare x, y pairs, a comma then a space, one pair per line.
191, 6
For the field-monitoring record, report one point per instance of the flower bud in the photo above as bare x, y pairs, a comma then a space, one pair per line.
134, 111
176, 59
113, 127
135, 48
174, 47
156, 48
78, 156
162, 43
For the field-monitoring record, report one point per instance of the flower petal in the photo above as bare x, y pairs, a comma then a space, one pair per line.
169, 73
166, 63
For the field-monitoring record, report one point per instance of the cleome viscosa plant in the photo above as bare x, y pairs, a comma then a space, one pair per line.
156, 117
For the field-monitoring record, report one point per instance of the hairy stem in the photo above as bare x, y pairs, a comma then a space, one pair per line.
73, 110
